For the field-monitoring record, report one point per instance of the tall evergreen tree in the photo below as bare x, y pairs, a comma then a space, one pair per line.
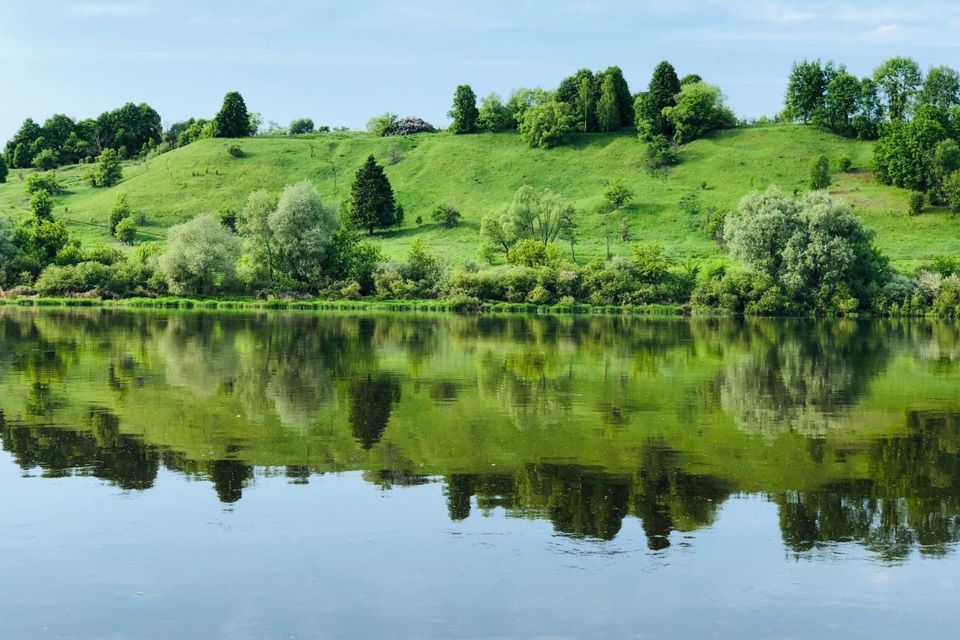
372, 206
3, 170
233, 121
464, 111
661, 93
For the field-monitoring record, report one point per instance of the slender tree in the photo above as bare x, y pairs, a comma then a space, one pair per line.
607, 113
899, 80
464, 112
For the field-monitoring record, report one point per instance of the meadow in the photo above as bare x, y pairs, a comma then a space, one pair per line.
479, 173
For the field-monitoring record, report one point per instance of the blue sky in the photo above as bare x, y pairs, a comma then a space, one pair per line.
342, 62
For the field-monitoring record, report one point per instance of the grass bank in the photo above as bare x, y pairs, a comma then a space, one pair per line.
478, 174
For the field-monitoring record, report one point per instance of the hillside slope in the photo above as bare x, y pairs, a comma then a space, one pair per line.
479, 173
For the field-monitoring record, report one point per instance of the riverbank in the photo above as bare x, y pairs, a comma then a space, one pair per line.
246, 303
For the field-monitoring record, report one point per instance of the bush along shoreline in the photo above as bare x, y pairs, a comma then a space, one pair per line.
788, 256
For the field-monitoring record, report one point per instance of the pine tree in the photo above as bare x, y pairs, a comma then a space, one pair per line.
607, 113
373, 206
662, 91
464, 111
232, 121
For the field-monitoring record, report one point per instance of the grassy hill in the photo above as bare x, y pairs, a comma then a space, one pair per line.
478, 174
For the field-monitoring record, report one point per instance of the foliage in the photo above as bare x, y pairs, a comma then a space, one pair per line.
201, 256
661, 94
941, 88
915, 203
899, 80
302, 228
579, 94
300, 126
259, 243
126, 230
699, 109
493, 115
814, 249
806, 88
42, 182
372, 204
844, 164
546, 125
3, 170
617, 194
820, 173
121, 210
464, 111
904, 154
951, 191
108, 170
523, 98
608, 114
235, 151
446, 216
233, 119
46, 160
532, 215
660, 154
41, 205
381, 125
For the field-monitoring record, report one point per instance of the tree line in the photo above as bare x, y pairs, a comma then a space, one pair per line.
914, 117
586, 102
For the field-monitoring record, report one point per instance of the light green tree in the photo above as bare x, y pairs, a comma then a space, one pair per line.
201, 256
302, 228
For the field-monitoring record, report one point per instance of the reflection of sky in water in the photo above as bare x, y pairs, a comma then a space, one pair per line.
340, 557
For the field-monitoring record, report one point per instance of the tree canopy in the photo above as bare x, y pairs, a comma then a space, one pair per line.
372, 203
233, 120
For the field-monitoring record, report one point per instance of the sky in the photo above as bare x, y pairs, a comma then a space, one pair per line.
342, 62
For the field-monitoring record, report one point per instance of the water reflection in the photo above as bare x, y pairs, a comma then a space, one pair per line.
852, 429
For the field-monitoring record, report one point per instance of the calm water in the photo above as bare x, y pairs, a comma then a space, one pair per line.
294, 476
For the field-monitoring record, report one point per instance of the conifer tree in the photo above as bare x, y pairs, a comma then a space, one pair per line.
661, 93
373, 205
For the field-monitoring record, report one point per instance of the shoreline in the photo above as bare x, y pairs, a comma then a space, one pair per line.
316, 304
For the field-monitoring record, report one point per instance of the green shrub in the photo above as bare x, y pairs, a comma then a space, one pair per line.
820, 173
46, 181
126, 231
446, 216
108, 170
844, 164
121, 210
915, 203
46, 160
235, 151
546, 125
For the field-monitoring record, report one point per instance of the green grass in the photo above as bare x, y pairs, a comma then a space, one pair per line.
478, 174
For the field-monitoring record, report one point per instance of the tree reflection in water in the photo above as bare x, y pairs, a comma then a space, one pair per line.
586, 422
